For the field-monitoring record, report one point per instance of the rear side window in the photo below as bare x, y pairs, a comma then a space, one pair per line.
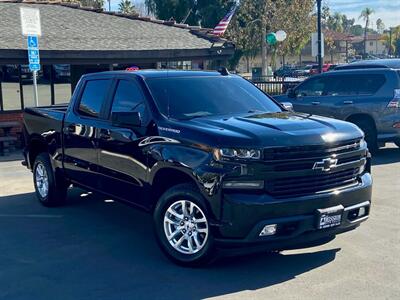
128, 97
369, 84
342, 85
93, 96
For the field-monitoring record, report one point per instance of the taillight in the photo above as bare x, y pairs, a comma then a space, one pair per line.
395, 103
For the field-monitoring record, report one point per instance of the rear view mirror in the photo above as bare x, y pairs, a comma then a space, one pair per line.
287, 105
131, 119
291, 93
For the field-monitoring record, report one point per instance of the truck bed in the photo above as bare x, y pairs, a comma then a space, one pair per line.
44, 124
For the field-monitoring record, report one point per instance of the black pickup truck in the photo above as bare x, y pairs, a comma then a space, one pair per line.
218, 163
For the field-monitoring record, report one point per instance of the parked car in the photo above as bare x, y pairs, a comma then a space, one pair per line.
218, 163
302, 72
372, 64
325, 68
284, 71
369, 98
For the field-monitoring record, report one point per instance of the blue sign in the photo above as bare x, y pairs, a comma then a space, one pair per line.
33, 42
34, 67
33, 53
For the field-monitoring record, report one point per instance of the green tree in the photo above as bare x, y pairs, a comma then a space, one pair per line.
365, 15
206, 13
380, 26
335, 22
92, 3
172, 9
292, 16
126, 7
356, 30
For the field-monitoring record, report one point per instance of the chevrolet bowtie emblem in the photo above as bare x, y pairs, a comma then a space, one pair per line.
326, 164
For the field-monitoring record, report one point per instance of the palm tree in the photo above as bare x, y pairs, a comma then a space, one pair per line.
126, 7
365, 15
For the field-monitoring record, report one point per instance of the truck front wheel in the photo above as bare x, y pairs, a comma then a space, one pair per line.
182, 226
49, 190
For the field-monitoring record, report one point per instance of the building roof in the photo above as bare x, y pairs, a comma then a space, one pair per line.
337, 36
370, 37
68, 27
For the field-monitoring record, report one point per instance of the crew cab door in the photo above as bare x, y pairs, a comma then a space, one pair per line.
81, 122
316, 96
122, 162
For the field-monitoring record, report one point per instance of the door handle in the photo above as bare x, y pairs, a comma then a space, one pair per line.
105, 134
315, 103
70, 128
348, 102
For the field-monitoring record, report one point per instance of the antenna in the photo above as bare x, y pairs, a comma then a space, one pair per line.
223, 71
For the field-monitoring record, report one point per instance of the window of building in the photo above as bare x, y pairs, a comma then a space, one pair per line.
62, 83
93, 96
43, 86
371, 43
10, 87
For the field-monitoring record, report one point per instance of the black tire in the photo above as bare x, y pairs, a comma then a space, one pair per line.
369, 130
57, 188
190, 193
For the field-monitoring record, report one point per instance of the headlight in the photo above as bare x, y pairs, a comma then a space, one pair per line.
228, 153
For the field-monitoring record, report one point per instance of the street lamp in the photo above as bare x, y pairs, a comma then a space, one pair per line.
264, 66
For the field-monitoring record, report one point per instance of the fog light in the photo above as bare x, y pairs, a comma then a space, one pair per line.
361, 212
268, 230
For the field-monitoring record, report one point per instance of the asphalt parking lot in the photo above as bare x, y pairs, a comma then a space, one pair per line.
97, 249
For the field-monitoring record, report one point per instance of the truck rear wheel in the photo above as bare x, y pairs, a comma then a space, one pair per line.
182, 226
49, 190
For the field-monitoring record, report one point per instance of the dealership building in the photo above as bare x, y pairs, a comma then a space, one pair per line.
77, 40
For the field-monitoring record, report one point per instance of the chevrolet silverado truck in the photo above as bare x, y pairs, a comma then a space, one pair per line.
221, 166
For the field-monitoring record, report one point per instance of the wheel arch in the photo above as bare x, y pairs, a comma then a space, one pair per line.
36, 146
165, 178
361, 116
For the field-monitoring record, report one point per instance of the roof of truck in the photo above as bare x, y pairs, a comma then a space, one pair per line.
158, 73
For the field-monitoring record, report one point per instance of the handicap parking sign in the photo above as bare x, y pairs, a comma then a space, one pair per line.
33, 53
34, 67
33, 42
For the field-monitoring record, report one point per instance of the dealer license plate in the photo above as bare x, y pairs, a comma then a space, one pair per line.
329, 217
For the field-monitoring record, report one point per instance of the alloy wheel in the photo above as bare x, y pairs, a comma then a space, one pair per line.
186, 227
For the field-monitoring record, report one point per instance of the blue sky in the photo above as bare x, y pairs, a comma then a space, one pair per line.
387, 10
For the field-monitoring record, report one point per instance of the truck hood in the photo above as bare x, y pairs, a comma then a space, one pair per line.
267, 129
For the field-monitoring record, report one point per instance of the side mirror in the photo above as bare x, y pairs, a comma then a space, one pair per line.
291, 93
287, 105
130, 119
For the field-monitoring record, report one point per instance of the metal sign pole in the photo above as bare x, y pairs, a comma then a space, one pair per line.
35, 90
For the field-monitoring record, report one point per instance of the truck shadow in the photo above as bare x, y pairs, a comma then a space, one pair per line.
386, 156
105, 250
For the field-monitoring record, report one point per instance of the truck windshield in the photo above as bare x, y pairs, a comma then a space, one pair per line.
191, 97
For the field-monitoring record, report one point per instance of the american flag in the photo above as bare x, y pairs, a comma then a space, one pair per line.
223, 24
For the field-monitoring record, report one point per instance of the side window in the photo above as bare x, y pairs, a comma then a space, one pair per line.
370, 84
93, 96
312, 87
128, 97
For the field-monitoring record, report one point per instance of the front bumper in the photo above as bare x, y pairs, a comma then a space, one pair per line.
245, 215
